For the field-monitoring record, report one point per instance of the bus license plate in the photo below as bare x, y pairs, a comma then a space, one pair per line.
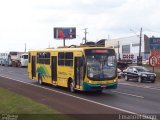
103, 86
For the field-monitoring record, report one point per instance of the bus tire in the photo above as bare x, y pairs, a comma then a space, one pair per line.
99, 91
40, 80
71, 86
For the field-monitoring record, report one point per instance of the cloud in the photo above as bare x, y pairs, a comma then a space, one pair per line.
32, 21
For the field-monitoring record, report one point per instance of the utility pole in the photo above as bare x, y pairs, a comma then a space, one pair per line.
108, 37
140, 42
49, 45
118, 52
139, 58
85, 34
25, 47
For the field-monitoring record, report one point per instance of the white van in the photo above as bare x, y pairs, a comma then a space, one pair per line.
24, 60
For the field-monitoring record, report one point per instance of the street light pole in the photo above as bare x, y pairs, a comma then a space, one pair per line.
139, 57
140, 42
25, 47
118, 52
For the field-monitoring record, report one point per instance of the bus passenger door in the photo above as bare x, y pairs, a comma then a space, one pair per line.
54, 68
78, 72
33, 66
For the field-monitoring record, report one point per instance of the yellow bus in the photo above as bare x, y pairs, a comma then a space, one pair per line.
84, 69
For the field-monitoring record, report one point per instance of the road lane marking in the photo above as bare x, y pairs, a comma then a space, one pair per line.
112, 107
146, 87
101, 104
127, 94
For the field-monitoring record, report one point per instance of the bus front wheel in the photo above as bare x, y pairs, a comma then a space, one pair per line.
99, 91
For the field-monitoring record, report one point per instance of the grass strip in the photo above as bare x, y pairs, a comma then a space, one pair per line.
19, 107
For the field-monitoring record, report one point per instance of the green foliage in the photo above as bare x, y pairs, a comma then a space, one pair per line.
25, 108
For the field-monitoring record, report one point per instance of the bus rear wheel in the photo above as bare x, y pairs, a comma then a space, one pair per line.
40, 81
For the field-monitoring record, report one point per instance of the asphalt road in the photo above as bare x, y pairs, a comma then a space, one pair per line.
129, 97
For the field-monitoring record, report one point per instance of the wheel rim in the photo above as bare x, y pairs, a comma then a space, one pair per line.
71, 87
126, 77
139, 79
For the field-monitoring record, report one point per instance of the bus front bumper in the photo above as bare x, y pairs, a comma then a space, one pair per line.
95, 87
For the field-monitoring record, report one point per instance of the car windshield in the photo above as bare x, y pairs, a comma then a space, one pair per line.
25, 56
142, 69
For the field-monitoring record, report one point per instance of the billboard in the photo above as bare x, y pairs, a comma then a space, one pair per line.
64, 32
154, 59
155, 43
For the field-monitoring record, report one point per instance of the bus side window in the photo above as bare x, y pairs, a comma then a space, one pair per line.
69, 59
61, 58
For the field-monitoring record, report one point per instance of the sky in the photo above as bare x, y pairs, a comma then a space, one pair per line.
32, 21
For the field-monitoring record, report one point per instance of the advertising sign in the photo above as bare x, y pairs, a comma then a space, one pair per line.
155, 43
154, 59
64, 32
139, 60
128, 56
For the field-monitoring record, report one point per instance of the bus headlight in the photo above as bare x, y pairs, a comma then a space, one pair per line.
115, 80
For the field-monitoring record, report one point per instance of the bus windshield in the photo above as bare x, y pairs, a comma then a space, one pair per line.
101, 66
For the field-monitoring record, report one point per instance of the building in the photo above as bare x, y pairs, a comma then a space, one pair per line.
129, 47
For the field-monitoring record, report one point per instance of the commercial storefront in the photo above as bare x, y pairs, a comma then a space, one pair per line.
128, 47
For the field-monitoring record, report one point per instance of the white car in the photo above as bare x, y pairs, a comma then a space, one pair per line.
145, 61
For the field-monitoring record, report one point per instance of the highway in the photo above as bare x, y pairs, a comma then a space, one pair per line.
129, 97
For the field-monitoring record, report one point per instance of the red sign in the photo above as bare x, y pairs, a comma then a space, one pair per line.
154, 61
